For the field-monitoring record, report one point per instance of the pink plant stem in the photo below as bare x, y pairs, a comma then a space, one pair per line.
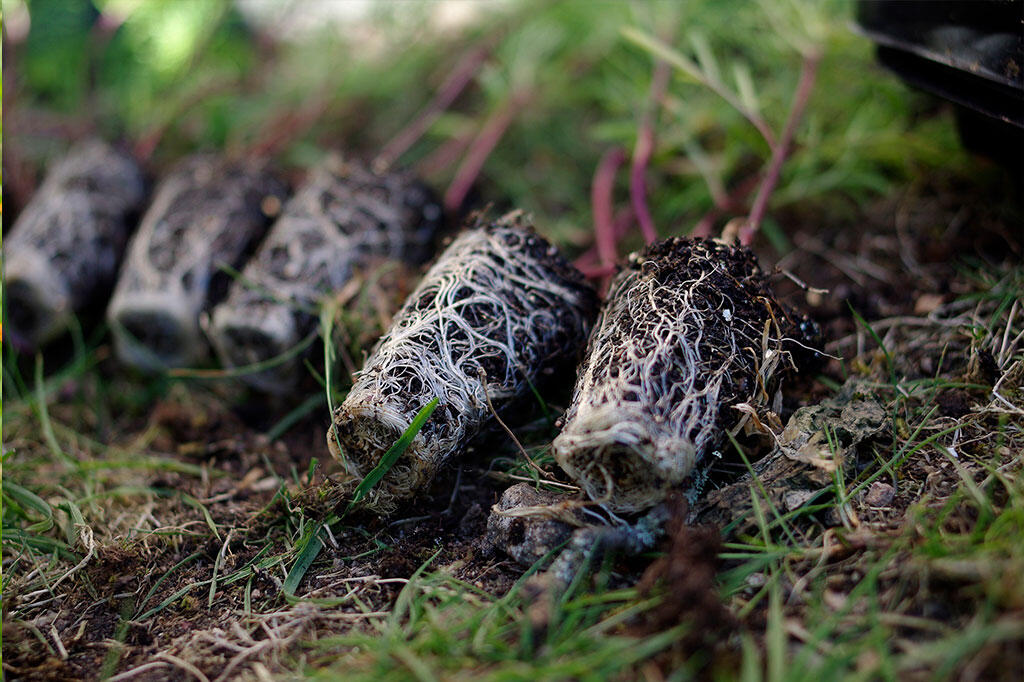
808, 72
732, 202
481, 148
594, 271
461, 76
603, 205
445, 155
623, 221
642, 154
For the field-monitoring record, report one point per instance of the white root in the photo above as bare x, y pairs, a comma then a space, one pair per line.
64, 250
206, 214
341, 218
689, 328
498, 310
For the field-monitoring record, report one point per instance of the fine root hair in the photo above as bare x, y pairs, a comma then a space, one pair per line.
207, 214
64, 251
689, 328
342, 218
499, 310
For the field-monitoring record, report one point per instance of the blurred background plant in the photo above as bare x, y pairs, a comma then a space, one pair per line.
556, 85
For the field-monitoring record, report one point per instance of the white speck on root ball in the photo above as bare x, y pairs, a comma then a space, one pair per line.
664, 365
498, 310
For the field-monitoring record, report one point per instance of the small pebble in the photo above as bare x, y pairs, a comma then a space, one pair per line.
880, 495
797, 498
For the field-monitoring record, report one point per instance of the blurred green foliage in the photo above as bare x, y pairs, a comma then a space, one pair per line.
199, 74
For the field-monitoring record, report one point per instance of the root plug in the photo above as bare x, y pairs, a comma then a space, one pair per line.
206, 214
690, 329
65, 248
500, 309
341, 218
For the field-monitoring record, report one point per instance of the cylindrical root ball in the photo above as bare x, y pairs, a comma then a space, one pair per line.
498, 310
65, 248
206, 214
689, 329
342, 217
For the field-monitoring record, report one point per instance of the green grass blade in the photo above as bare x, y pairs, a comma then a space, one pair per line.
26, 499
245, 370
292, 418
149, 595
393, 453
308, 554
44, 415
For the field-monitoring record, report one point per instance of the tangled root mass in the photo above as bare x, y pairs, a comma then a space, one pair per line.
206, 214
342, 217
67, 245
498, 310
690, 328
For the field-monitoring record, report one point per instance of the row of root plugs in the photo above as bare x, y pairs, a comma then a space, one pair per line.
688, 330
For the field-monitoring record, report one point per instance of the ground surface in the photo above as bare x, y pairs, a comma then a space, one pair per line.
182, 526
172, 541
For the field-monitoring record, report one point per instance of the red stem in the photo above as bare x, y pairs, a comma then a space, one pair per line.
603, 205
461, 76
445, 155
731, 202
287, 127
642, 154
808, 72
594, 271
589, 259
480, 149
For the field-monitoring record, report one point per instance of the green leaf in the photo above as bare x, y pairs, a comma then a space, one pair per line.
28, 500
393, 453
306, 557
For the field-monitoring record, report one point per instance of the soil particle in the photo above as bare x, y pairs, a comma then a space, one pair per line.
954, 403
685, 578
815, 442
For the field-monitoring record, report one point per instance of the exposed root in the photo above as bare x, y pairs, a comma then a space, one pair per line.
499, 310
343, 217
689, 329
66, 247
206, 214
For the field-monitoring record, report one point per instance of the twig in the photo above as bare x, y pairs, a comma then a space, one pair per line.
461, 76
808, 73
603, 205
481, 148
184, 665
135, 672
85, 535
642, 153
494, 413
